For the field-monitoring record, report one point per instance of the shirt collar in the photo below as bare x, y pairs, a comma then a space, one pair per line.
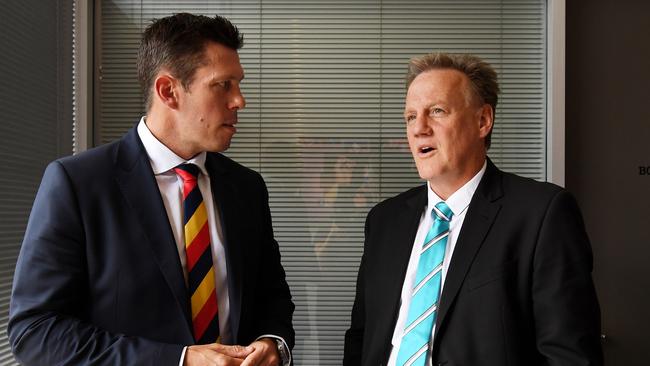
162, 159
459, 200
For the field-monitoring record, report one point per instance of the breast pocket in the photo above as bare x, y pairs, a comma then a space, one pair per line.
490, 275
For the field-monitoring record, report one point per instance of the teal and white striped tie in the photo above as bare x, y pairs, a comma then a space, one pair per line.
414, 348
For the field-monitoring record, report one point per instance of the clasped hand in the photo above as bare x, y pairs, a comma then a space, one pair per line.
262, 352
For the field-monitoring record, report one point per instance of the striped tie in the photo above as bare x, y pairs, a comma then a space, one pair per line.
414, 348
200, 271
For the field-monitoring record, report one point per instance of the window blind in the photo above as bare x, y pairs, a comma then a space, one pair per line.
35, 105
323, 123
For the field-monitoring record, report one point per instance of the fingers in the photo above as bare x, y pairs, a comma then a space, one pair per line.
259, 353
265, 354
216, 355
219, 359
233, 351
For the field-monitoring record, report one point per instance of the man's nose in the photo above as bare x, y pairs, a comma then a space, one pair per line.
420, 126
237, 101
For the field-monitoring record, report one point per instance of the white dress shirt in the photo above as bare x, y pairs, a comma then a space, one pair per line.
170, 184
458, 203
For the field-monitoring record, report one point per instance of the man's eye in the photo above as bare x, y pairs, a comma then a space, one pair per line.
437, 111
226, 84
410, 118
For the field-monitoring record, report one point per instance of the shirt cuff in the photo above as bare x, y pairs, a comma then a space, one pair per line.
180, 363
286, 346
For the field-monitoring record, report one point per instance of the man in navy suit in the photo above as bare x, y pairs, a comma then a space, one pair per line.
102, 277
478, 266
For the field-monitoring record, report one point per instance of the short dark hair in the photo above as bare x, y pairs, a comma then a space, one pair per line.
177, 43
482, 77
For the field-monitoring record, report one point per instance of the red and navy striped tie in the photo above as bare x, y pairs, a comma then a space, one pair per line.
200, 270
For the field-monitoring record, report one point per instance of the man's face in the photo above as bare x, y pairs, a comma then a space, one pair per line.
445, 127
207, 110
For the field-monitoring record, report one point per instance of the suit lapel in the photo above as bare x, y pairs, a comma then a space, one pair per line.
138, 184
397, 248
481, 213
225, 193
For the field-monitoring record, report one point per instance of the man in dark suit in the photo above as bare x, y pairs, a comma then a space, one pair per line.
156, 249
478, 266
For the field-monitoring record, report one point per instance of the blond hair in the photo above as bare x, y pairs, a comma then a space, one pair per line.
482, 77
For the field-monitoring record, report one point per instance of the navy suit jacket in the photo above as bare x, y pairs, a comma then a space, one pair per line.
518, 289
99, 280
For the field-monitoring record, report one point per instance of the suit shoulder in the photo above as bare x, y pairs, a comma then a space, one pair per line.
96, 156
395, 203
90, 164
234, 168
527, 192
529, 186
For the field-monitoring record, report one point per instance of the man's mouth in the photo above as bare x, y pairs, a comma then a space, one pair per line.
230, 123
425, 150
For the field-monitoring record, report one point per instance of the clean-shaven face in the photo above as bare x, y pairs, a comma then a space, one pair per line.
208, 109
443, 126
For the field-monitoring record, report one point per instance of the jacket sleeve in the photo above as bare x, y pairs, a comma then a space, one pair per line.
353, 346
566, 311
277, 312
50, 296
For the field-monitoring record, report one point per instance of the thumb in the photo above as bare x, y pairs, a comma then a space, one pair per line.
236, 351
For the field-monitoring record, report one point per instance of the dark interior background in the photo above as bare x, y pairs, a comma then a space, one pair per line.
607, 149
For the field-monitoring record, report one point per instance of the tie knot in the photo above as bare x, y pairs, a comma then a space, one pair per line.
188, 172
442, 212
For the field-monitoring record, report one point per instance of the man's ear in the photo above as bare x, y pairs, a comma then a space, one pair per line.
166, 90
486, 120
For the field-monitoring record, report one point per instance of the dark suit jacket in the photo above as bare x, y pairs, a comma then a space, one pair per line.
99, 280
518, 291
